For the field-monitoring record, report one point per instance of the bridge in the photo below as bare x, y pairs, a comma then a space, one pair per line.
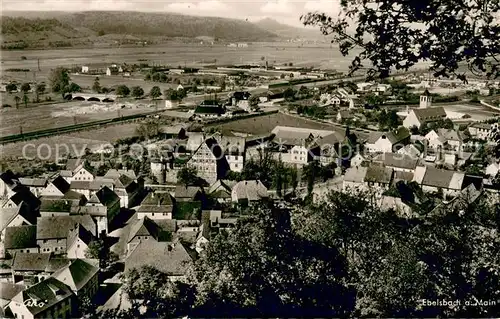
95, 97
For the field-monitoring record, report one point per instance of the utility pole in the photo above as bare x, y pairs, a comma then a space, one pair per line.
38, 62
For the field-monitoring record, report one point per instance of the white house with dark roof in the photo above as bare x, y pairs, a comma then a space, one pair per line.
78, 241
233, 148
81, 277
20, 239
444, 138
35, 185
52, 232
480, 130
157, 205
354, 179
209, 161
56, 187
16, 216
386, 142
102, 206
53, 299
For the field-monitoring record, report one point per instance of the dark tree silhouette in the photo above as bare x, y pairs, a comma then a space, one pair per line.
397, 34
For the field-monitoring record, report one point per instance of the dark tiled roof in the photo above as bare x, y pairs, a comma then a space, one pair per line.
33, 182
8, 214
170, 258
107, 197
158, 198
378, 174
144, 227
30, 262
61, 184
59, 226
20, 237
437, 177
50, 290
77, 274
59, 206
186, 191
209, 109
397, 160
79, 232
430, 114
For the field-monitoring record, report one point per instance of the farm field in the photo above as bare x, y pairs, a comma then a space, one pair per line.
76, 142
62, 114
264, 124
321, 55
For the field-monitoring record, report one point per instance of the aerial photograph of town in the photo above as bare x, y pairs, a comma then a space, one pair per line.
250, 159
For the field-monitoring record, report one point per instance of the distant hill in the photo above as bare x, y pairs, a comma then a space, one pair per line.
287, 31
44, 28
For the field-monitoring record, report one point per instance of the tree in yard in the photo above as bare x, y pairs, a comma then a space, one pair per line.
40, 89
399, 34
171, 94
25, 100
98, 249
73, 87
96, 87
310, 173
25, 87
289, 94
59, 80
392, 119
155, 92
181, 93
137, 92
122, 90
17, 99
187, 176
11, 87
148, 129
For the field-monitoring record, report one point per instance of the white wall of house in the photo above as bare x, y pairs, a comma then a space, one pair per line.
492, 169
82, 175
158, 216
479, 133
20, 310
235, 162
297, 155
77, 249
411, 120
382, 145
51, 190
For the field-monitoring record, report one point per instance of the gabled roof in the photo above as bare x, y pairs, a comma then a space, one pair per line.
50, 290
187, 191
33, 182
144, 227
10, 179
23, 194
170, 258
397, 160
355, 174
8, 214
222, 184
10, 290
429, 114
61, 184
106, 197
393, 137
77, 274
55, 205
252, 190
115, 173
450, 135
231, 144
378, 174
30, 261
443, 178
81, 233
157, 199
20, 237
58, 227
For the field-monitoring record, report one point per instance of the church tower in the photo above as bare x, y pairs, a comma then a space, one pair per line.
425, 100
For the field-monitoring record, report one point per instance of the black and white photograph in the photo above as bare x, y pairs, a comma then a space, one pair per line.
249, 159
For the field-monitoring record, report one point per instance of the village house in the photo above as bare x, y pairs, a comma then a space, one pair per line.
80, 173
378, 178
480, 130
411, 150
78, 241
175, 262
444, 138
221, 190
203, 237
344, 115
418, 117
35, 185
157, 205
9, 291
20, 239
188, 193
209, 161
233, 148
397, 162
47, 299
249, 191
128, 190
82, 278
387, 142
435, 180
354, 179
52, 232
103, 206
492, 169
112, 70
357, 160
209, 109
30, 268
56, 187
16, 216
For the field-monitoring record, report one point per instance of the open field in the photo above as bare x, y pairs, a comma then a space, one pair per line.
76, 142
265, 124
477, 112
321, 55
62, 114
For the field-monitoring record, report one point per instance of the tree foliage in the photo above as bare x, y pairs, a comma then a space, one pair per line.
96, 86
137, 92
98, 249
155, 92
122, 90
399, 34
148, 129
187, 176
59, 80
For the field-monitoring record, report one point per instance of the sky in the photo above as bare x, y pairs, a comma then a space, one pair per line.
284, 11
